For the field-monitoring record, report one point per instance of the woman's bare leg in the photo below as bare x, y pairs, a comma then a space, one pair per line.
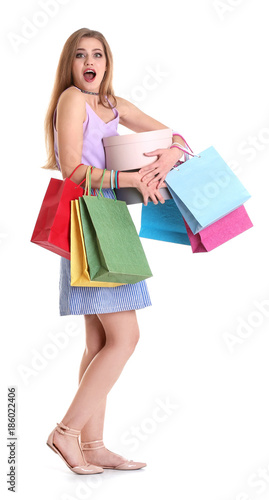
95, 341
122, 335
93, 430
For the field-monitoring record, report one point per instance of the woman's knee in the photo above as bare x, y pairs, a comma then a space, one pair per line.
95, 335
124, 344
122, 332
131, 340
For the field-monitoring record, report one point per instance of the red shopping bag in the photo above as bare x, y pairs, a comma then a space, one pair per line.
52, 228
224, 229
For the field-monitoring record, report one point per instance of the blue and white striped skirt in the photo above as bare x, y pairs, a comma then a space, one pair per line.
98, 300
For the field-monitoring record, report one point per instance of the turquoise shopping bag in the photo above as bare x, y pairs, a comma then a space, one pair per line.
205, 189
163, 222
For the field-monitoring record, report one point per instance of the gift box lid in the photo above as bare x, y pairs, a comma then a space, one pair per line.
118, 140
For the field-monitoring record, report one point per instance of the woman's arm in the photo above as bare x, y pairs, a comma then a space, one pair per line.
134, 119
71, 113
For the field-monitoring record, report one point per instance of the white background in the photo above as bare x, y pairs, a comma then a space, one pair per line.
204, 342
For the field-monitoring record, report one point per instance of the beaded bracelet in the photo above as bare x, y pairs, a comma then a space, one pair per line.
179, 135
118, 175
111, 179
116, 181
174, 143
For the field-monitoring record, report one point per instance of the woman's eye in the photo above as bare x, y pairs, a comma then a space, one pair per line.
80, 54
98, 54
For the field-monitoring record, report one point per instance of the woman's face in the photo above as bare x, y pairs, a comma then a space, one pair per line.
89, 64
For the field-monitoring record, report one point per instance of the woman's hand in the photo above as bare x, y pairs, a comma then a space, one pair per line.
157, 171
147, 192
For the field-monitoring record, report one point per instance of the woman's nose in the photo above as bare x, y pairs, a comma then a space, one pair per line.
88, 61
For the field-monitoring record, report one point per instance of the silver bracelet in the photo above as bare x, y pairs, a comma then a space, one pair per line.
178, 143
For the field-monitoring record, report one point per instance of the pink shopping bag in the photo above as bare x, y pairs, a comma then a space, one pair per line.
224, 229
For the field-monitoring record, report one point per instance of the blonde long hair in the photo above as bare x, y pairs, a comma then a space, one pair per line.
64, 79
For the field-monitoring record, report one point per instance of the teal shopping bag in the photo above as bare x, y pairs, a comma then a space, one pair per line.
163, 222
205, 189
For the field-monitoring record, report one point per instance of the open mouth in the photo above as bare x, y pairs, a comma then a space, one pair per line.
89, 75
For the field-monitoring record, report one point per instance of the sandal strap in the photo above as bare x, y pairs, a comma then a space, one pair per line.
92, 445
63, 429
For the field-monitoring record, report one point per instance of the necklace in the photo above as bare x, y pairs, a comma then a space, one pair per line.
87, 92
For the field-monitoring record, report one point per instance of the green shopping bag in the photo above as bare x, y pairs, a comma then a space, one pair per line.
113, 248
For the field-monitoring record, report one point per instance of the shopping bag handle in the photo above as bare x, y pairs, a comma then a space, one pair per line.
75, 170
88, 185
101, 185
189, 151
89, 167
78, 185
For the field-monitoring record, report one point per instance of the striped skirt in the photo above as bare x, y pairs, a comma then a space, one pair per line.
97, 300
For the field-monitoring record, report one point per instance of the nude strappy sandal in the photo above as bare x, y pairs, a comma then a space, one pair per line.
127, 465
78, 469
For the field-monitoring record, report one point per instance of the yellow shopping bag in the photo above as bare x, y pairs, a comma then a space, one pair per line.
80, 275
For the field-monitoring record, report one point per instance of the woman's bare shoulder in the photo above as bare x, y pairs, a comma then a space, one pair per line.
71, 107
123, 106
72, 97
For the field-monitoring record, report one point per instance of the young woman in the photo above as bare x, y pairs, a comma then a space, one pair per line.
83, 110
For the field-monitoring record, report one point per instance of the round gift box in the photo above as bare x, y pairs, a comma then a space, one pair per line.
126, 153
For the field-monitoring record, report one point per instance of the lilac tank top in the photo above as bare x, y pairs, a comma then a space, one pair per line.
94, 129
